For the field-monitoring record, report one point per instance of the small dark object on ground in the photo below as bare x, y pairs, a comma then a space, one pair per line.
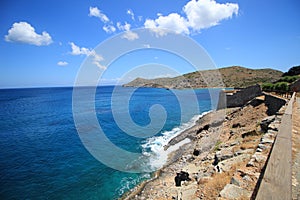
204, 128
182, 176
237, 125
196, 152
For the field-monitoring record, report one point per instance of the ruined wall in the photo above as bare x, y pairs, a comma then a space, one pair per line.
273, 103
239, 98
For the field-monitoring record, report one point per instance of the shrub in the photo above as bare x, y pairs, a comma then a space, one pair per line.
289, 79
267, 87
281, 86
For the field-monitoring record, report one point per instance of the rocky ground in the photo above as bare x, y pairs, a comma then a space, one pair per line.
224, 160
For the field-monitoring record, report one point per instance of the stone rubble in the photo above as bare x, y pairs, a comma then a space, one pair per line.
221, 165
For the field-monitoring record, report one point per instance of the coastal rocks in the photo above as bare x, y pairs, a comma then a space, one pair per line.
224, 154
226, 165
250, 133
264, 124
257, 159
231, 191
230, 147
270, 125
204, 128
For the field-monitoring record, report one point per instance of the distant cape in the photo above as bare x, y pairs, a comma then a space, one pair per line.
234, 76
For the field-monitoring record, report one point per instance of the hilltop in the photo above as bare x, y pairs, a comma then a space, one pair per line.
234, 76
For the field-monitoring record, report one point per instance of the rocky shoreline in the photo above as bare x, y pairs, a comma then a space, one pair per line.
225, 158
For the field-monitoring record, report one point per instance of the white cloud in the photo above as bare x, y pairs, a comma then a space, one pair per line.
76, 50
95, 12
207, 13
200, 14
129, 35
22, 32
62, 63
125, 27
173, 22
102, 67
130, 12
109, 28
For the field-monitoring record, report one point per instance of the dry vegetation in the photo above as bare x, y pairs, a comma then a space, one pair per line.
225, 77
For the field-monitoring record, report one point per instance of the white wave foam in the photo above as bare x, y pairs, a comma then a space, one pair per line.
153, 147
127, 183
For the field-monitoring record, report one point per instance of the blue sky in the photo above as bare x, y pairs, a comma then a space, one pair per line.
44, 43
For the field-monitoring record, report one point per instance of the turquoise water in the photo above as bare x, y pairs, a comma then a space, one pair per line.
42, 156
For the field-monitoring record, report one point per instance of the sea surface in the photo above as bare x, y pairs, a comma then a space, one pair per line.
42, 156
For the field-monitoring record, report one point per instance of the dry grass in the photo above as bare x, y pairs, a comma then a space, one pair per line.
243, 198
213, 187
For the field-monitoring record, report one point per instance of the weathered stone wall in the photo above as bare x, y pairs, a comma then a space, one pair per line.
239, 98
273, 103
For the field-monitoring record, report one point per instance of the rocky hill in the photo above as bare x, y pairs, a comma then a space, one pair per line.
234, 76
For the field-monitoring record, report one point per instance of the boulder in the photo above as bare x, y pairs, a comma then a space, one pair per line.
226, 165
267, 140
264, 124
224, 154
235, 181
249, 133
231, 191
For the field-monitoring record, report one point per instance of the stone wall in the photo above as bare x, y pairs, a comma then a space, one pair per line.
239, 98
273, 103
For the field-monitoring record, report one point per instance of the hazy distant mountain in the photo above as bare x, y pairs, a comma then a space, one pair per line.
234, 76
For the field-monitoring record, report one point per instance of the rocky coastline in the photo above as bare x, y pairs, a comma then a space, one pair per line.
225, 158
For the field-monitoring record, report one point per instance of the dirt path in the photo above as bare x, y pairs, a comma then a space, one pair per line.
296, 151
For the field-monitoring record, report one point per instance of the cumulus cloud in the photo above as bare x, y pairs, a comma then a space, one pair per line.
129, 35
76, 50
23, 32
130, 12
109, 28
108, 24
62, 63
95, 12
173, 22
207, 13
125, 27
199, 14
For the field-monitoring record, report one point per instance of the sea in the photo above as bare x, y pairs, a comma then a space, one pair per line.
43, 157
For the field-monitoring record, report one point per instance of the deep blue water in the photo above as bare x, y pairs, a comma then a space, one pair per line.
42, 156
